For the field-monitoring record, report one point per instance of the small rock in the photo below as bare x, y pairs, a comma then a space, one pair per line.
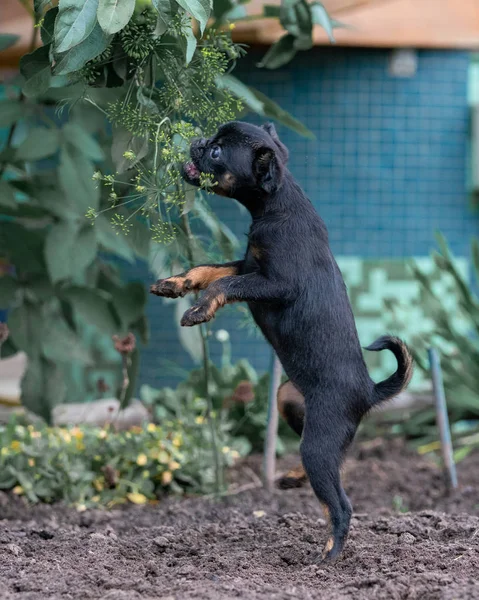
43, 534
161, 543
14, 549
98, 537
259, 513
406, 538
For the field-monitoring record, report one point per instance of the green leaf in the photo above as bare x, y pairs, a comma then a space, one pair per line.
61, 344
129, 303
76, 58
75, 173
475, 256
39, 143
190, 337
274, 111
112, 240
223, 236
35, 68
122, 141
280, 53
7, 40
7, 196
22, 247
39, 6
191, 43
25, 323
167, 10
199, 9
304, 39
8, 289
69, 250
11, 111
47, 30
241, 91
75, 21
93, 308
83, 141
113, 15
321, 17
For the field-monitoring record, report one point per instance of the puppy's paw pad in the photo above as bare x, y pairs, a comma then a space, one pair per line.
195, 315
167, 288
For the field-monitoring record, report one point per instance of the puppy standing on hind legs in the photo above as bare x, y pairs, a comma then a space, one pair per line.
297, 296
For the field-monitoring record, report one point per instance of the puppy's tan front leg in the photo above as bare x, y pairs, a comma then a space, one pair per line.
194, 280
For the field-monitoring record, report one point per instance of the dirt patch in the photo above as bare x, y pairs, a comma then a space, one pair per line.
255, 545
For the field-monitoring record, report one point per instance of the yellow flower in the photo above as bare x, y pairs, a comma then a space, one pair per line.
226, 449
173, 465
140, 188
36, 434
98, 484
18, 490
163, 457
177, 441
141, 460
102, 434
232, 26
77, 433
199, 420
235, 454
151, 427
166, 477
137, 498
146, 474
129, 155
4, 451
31, 462
81, 508
95, 498
65, 435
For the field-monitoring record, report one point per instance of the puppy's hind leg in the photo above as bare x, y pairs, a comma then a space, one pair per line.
291, 407
322, 447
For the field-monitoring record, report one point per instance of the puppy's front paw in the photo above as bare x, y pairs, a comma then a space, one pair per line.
199, 313
173, 287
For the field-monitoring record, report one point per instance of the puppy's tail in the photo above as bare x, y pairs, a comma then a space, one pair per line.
390, 387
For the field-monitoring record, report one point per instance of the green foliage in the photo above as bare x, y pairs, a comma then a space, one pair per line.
298, 18
87, 467
455, 333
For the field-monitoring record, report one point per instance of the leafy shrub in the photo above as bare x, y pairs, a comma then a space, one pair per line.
88, 466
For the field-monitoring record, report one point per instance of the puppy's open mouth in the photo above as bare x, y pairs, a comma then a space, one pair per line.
191, 172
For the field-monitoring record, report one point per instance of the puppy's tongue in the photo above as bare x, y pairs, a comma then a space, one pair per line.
192, 170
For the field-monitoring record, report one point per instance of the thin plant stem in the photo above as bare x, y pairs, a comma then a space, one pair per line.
206, 370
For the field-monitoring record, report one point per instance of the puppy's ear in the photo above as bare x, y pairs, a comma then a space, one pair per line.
283, 151
267, 170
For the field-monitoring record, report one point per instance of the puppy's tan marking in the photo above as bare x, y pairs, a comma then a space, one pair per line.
256, 251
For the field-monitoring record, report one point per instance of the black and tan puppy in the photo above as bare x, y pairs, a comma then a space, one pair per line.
297, 296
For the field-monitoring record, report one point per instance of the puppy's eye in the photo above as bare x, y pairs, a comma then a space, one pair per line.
215, 152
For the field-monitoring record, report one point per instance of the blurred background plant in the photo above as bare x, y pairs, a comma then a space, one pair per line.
455, 334
98, 125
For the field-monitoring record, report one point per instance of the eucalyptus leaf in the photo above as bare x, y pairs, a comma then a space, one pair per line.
191, 43
114, 15
111, 240
321, 17
241, 91
76, 58
39, 6
199, 9
129, 303
69, 250
7, 40
11, 111
61, 344
35, 68
190, 337
92, 306
25, 323
39, 143
7, 196
124, 141
167, 10
280, 53
75, 21
75, 173
76, 135
47, 30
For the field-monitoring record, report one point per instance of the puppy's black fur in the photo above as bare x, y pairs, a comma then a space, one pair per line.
298, 298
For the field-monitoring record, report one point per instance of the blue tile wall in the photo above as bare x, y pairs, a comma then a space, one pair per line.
387, 168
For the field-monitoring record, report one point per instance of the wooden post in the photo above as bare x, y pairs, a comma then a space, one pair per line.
442, 419
269, 463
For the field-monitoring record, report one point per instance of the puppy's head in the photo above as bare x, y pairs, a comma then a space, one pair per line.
242, 158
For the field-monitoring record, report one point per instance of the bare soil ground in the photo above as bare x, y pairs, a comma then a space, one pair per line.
256, 545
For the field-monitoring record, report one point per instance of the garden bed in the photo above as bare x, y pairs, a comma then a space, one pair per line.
255, 545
